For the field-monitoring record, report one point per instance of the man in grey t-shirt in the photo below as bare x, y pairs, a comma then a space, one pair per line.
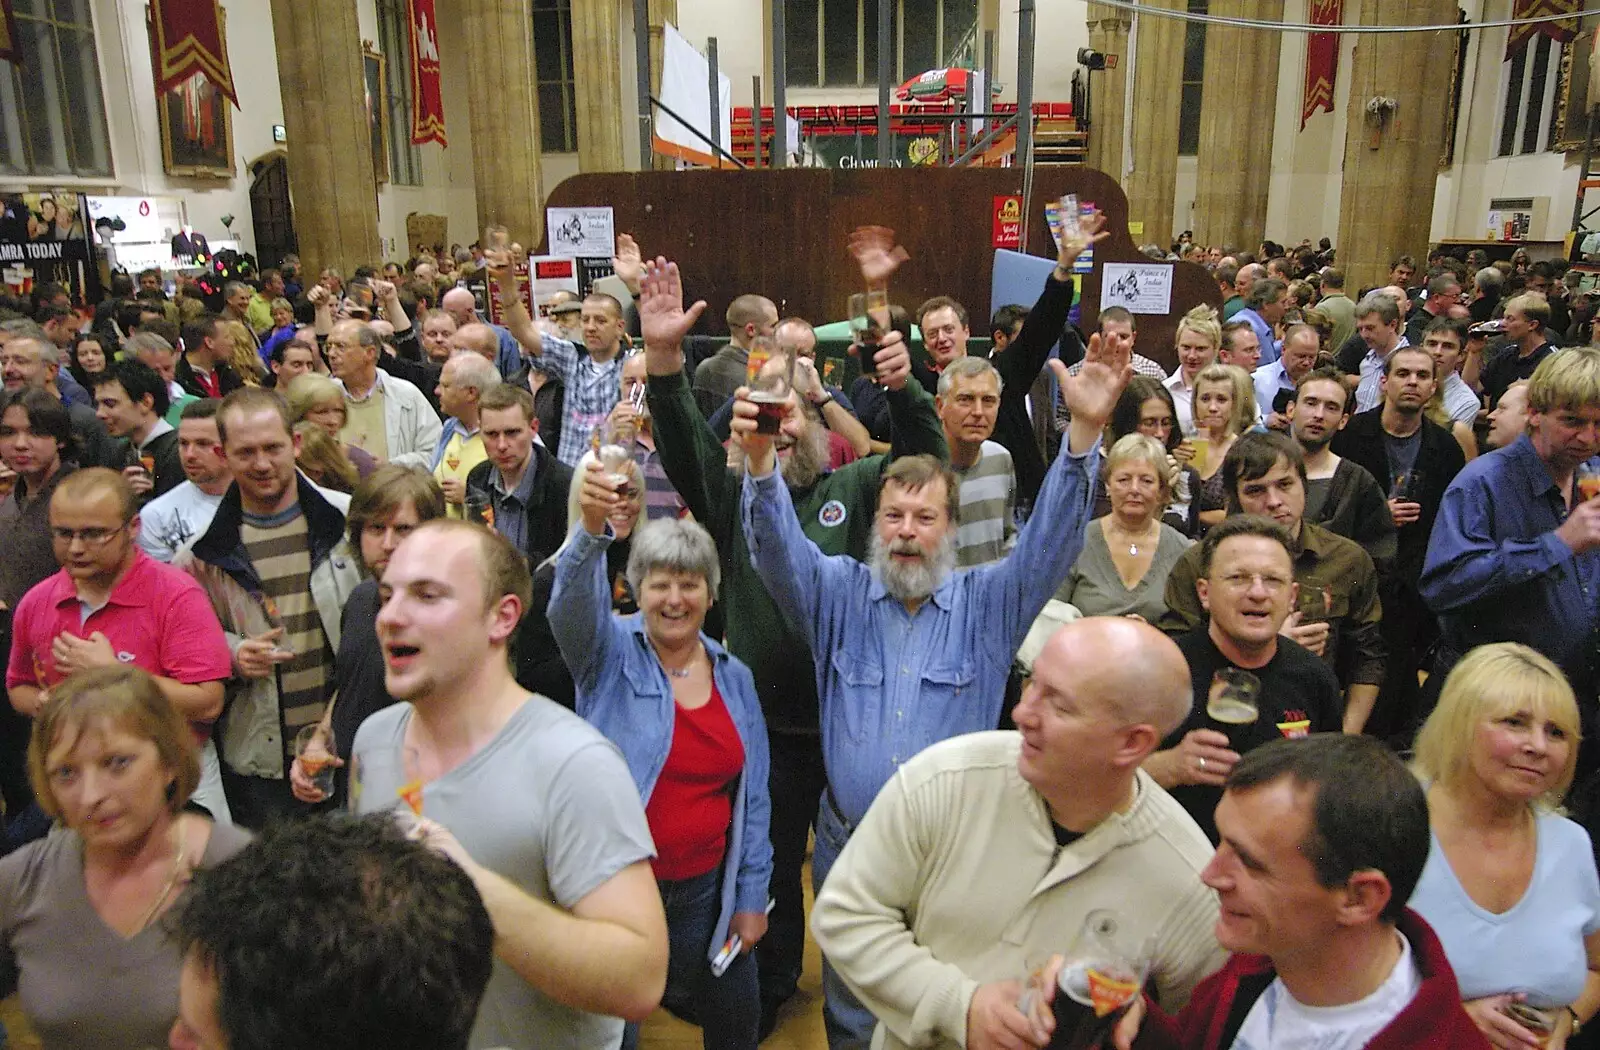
529, 799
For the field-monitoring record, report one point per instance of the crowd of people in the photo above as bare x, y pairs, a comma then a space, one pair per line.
386, 676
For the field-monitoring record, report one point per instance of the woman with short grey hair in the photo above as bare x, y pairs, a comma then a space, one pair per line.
685, 716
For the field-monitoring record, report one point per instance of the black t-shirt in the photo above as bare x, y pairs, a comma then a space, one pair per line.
1507, 367
1299, 695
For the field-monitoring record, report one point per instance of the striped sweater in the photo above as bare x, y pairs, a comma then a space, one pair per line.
988, 497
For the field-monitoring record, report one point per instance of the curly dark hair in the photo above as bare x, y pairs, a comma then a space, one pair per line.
339, 931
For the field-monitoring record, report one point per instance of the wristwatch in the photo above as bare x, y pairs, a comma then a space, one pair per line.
824, 403
1577, 1024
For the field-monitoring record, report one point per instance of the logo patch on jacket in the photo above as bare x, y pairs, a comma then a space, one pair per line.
831, 514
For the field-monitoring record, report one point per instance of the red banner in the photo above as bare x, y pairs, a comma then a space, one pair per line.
9, 49
1562, 32
189, 41
427, 99
1322, 59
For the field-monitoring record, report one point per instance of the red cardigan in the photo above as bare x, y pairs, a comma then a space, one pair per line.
1211, 1021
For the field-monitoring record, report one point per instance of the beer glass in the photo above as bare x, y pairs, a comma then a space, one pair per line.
1588, 480
770, 377
1233, 699
1102, 973
869, 319
313, 745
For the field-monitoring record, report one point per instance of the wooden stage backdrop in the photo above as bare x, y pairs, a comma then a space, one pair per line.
781, 233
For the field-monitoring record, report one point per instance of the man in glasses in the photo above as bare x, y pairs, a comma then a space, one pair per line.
1337, 614
113, 604
1252, 685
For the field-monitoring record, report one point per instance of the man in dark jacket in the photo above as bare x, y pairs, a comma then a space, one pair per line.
203, 369
521, 485
1415, 459
1313, 926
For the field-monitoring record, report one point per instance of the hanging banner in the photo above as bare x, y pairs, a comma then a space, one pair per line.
1322, 60
9, 49
189, 40
427, 98
1562, 32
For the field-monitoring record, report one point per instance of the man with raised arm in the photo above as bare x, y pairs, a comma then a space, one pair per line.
908, 652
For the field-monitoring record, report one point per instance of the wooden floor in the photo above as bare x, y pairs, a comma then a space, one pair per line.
799, 1028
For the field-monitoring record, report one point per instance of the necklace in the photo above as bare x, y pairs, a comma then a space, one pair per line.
1134, 541
676, 672
172, 880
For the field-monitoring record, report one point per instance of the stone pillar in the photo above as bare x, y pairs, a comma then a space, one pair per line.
1108, 34
661, 12
596, 63
330, 167
1392, 167
504, 115
1157, 100
1239, 105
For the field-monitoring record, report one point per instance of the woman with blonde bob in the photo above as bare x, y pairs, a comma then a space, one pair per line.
81, 937
1128, 553
1224, 407
318, 399
1510, 885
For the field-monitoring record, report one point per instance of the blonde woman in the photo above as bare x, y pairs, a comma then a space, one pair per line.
318, 399
243, 357
1510, 886
322, 459
81, 935
1224, 407
1128, 553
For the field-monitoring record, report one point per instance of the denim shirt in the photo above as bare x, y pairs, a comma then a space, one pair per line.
892, 682
623, 691
1497, 572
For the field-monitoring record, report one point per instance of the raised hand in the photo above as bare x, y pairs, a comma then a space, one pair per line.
628, 262
499, 262
597, 498
876, 253
1092, 393
1091, 231
662, 319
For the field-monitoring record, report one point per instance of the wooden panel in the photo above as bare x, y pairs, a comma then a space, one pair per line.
782, 234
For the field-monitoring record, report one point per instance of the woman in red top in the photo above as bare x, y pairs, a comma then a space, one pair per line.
685, 716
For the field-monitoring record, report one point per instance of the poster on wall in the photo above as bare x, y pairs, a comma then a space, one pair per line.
1139, 288
44, 237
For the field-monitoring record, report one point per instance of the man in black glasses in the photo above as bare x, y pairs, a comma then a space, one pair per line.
113, 604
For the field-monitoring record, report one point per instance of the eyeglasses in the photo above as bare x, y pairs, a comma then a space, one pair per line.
1243, 581
93, 536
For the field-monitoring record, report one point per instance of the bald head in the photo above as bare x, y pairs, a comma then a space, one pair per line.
459, 304
1398, 294
1133, 671
476, 338
1248, 275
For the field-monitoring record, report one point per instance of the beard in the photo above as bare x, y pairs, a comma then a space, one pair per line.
912, 581
805, 463
1312, 446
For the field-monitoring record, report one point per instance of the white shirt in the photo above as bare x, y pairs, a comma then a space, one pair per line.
1183, 401
168, 522
1277, 1021
1370, 390
1459, 400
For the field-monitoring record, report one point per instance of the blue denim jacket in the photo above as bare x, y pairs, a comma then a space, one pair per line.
623, 691
891, 682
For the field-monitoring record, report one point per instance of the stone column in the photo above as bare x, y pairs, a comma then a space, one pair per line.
1237, 111
1157, 99
504, 115
661, 12
330, 167
1108, 34
1391, 167
596, 64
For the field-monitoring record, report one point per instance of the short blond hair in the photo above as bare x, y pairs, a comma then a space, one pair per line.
1203, 322
1145, 449
122, 697
1568, 379
1490, 681
309, 391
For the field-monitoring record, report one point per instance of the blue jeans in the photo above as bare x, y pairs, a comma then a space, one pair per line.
727, 1008
848, 1024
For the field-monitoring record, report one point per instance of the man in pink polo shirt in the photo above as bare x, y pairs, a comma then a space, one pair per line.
112, 603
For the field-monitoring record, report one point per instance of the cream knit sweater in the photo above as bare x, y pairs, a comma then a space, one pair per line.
954, 879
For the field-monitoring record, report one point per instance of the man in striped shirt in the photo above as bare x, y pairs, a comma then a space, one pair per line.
968, 402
